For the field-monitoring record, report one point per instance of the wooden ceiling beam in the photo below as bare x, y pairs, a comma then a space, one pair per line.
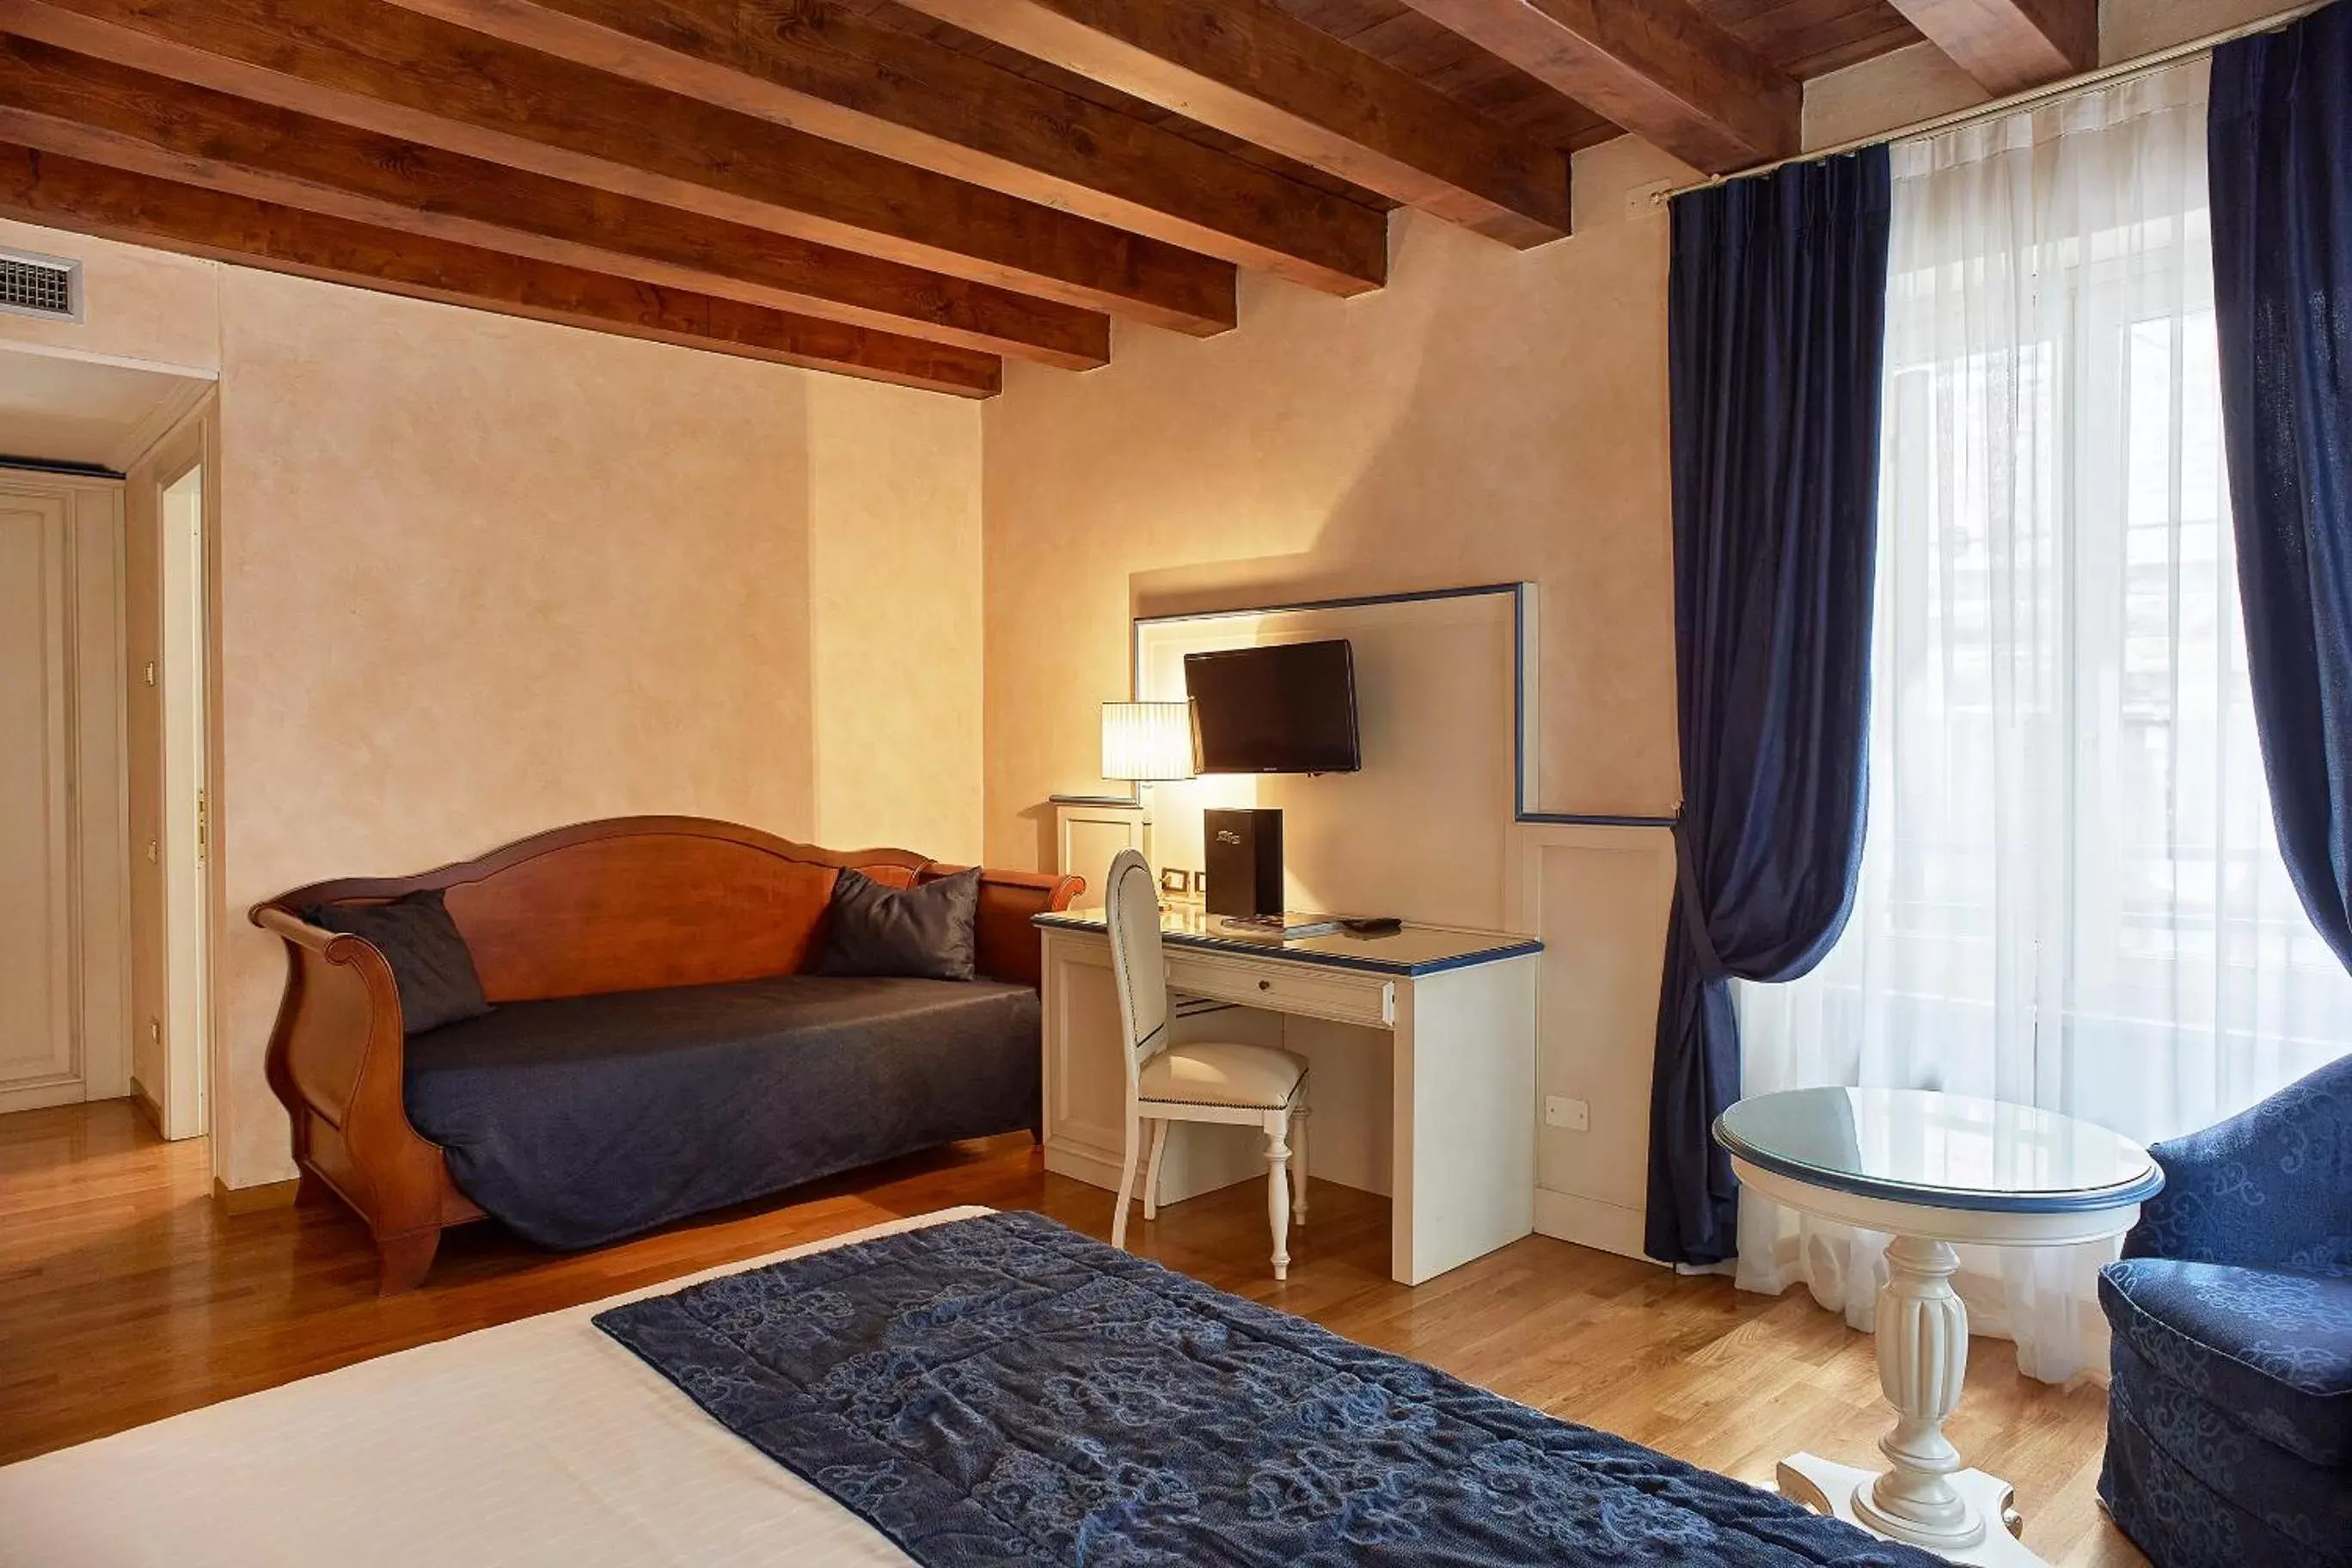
89, 198
850, 79
1253, 70
377, 67
1659, 68
2009, 45
90, 109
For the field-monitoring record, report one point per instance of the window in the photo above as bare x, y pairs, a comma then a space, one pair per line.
2072, 895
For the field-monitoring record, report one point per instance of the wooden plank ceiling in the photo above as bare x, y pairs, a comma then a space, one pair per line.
906, 190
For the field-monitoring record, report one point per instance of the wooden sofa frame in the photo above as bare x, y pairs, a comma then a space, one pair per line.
623, 904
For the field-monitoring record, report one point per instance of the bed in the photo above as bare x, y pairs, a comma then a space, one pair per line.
981, 1389
534, 1442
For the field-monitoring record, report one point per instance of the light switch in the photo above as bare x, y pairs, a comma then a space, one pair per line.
1571, 1115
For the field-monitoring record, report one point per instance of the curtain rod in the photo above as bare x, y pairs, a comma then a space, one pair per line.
2032, 97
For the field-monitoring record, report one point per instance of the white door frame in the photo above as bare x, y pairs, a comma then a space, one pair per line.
188, 684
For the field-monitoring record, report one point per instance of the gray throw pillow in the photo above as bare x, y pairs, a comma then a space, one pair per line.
430, 965
924, 933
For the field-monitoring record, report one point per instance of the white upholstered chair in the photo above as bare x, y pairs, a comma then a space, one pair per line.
1215, 1081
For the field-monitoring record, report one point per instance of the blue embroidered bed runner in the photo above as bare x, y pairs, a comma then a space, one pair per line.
1003, 1390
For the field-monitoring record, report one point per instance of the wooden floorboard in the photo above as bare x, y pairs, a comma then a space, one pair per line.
126, 1297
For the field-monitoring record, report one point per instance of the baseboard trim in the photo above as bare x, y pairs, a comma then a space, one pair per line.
1588, 1222
251, 1200
148, 1106
43, 1095
1083, 1165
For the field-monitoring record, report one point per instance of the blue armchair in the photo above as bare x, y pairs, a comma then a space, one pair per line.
2230, 1419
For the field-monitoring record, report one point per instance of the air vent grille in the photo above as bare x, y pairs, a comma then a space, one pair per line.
47, 286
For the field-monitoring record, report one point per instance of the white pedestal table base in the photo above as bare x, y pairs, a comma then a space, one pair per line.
1923, 1497
1827, 1486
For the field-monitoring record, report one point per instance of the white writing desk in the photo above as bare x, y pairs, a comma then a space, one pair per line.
1456, 1010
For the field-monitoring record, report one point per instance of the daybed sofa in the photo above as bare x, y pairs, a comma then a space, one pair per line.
656, 1045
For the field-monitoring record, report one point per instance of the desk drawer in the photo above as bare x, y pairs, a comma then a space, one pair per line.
1347, 996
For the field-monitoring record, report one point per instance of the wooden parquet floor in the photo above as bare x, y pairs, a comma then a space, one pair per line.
126, 1297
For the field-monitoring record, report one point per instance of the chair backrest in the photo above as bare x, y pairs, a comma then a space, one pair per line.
1131, 910
2269, 1188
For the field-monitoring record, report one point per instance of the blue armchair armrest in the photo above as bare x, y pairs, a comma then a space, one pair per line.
2269, 1188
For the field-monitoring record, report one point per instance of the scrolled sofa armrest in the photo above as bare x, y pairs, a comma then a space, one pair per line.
340, 1008
338, 1058
302, 936
2269, 1188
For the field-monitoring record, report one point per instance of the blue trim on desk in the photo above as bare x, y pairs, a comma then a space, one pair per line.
1520, 811
2083, 1200
1511, 947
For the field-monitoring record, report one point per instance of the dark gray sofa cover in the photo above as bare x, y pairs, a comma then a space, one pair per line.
585, 1118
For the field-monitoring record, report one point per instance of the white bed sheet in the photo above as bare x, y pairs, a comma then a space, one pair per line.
542, 1441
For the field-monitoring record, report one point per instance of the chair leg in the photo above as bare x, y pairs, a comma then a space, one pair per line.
1299, 1119
1151, 1169
1277, 1188
1126, 1184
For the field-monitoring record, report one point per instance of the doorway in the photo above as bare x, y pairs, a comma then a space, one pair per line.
109, 487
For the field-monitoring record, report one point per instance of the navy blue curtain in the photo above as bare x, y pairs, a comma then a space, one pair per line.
2280, 140
1778, 313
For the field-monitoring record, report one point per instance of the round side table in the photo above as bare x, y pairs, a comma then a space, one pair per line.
1930, 1171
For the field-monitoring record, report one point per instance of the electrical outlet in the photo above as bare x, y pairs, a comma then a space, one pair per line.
1573, 1115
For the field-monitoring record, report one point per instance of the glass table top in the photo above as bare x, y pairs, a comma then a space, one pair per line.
1941, 1151
1412, 950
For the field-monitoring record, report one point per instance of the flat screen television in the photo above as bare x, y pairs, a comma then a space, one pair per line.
1286, 709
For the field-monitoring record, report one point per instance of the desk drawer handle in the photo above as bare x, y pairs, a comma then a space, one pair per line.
1265, 984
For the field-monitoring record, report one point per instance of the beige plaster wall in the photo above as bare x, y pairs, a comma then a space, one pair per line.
483, 576
1492, 414
478, 577
895, 572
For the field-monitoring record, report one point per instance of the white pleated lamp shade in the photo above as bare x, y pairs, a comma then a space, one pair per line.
1147, 742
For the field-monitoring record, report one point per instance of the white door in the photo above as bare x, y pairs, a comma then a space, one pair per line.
187, 828
39, 1056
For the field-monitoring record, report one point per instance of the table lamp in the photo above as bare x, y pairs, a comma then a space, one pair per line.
1145, 743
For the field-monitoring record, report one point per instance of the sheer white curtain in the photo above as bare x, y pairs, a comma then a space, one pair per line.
2071, 893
